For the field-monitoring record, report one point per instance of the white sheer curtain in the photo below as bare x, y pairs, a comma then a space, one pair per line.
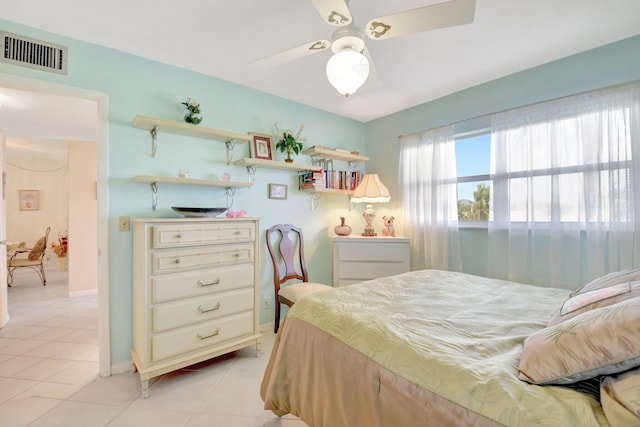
565, 195
429, 197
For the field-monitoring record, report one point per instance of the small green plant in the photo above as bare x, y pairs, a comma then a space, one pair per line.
288, 143
193, 107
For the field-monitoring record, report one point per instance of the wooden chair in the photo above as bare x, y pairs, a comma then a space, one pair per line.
31, 258
289, 255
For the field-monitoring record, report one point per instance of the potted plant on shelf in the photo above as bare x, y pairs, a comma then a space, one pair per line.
193, 115
288, 143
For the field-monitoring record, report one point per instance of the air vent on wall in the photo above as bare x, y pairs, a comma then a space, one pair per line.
32, 53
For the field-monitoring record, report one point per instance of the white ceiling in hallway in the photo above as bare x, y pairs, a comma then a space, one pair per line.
26, 114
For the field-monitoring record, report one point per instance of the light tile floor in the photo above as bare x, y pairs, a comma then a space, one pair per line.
49, 372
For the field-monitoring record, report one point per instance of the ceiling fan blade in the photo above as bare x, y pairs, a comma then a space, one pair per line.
334, 12
292, 54
373, 81
441, 15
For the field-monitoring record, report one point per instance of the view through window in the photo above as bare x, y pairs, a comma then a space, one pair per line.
473, 161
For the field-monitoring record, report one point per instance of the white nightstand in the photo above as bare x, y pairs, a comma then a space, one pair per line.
357, 258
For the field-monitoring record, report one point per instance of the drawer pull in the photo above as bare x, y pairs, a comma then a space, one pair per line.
215, 282
204, 337
237, 233
205, 310
236, 255
178, 236
177, 261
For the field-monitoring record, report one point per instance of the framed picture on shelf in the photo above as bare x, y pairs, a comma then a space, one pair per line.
278, 191
261, 146
29, 200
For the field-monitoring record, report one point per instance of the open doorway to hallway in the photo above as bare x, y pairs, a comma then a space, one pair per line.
69, 109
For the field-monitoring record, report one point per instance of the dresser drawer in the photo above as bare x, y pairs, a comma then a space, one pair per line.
186, 312
170, 287
356, 259
373, 252
358, 271
197, 337
170, 261
174, 235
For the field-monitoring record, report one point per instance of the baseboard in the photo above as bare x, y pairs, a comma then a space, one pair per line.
121, 367
83, 293
266, 327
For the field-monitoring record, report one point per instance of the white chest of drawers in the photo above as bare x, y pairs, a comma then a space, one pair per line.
358, 258
195, 292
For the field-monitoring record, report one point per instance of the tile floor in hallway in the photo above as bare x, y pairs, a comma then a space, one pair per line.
49, 372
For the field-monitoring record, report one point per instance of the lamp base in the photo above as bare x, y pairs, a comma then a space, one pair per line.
368, 215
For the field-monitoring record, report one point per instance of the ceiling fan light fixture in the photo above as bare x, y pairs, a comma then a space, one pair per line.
347, 70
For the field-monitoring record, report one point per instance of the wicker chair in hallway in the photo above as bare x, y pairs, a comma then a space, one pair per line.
288, 241
31, 258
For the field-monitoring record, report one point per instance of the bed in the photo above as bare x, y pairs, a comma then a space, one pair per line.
436, 348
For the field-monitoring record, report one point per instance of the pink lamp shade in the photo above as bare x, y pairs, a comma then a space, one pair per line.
370, 190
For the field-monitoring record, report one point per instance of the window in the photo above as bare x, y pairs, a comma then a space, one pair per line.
544, 172
572, 169
553, 183
473, 158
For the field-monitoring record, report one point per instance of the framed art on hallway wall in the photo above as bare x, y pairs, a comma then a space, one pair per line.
29, 200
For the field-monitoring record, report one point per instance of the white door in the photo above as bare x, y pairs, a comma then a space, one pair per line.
4, 312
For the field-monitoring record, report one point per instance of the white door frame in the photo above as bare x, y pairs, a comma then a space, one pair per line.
4, 312
102, 100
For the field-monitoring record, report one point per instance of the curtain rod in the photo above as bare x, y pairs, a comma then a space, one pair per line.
631, 83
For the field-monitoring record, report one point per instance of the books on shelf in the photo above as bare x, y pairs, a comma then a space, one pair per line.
334, 179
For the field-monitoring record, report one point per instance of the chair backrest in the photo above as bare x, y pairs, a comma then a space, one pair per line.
37, 251
286, 247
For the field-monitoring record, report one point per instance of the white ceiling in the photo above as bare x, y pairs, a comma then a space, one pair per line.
41, 124
222, 37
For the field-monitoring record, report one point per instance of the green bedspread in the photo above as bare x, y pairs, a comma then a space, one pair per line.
457, 335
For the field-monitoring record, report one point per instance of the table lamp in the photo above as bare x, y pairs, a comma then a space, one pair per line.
370, 190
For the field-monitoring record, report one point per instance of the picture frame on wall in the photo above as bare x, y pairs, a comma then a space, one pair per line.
278, 191
261, 146
29, 200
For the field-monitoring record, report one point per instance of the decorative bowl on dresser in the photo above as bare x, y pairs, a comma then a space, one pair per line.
198, 212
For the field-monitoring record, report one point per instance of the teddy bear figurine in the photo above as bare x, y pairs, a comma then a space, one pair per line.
388, 228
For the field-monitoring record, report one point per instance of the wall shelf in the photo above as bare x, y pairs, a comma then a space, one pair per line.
324, 156
251, 164
186, 129
272, 164
149, 179
155, 125
328, 190
319, 152
153, 181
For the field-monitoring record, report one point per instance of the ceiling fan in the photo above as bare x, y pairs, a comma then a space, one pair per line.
349, 67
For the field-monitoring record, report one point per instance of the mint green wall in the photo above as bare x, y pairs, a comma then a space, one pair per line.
605, 66
139, 86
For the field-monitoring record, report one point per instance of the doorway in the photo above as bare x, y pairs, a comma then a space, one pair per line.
99, 128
